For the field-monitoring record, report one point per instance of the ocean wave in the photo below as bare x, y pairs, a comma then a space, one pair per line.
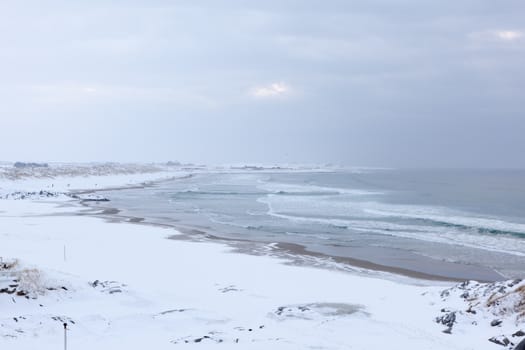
433, 216
314, 206
506, 244
310, 190
255, 213
418, 223
215, 193
453, 219
230, 221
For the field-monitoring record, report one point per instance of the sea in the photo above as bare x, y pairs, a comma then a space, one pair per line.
461, 224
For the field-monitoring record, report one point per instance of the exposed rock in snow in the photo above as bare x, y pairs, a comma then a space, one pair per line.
19, 195
38, 195
90, 197
520, 346
110, 287
25, 282
497, 305
500, 340
448, 319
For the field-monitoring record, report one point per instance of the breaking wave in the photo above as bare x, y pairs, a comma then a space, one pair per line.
431, 224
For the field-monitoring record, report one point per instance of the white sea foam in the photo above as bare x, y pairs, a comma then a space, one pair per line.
446, 216
430, 224
312, 207
507, 245
297, 189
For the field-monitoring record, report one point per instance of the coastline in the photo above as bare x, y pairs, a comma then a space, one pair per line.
420, 269
298, 253
124, 285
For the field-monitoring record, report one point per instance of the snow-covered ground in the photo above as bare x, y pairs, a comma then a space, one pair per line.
59, 178
125, 286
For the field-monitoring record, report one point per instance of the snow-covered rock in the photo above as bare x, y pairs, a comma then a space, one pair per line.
498, 307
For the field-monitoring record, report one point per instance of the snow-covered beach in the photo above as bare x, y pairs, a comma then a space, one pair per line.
123, 285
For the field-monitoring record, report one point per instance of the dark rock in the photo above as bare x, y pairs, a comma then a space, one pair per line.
521, 345
171, 311
95, 200
519, 333
495, 323
514, 282
464, 284
447, 320
500, 340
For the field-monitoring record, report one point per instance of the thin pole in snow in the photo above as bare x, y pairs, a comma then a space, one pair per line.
64, 252
65, 336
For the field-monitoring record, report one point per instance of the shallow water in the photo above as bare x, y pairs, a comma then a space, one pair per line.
433, 221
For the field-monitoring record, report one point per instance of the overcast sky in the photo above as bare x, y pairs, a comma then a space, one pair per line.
398, 83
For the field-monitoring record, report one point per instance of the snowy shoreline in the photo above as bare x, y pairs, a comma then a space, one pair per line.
127, 286
293, 253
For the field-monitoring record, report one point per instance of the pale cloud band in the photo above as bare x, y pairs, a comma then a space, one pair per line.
272, 90
498, 35
509, 35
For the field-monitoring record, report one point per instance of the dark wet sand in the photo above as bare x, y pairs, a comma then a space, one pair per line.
420, 268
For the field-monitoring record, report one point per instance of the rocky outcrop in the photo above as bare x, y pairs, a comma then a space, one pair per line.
500, 305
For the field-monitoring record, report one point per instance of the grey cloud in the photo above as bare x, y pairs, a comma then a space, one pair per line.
380, 83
